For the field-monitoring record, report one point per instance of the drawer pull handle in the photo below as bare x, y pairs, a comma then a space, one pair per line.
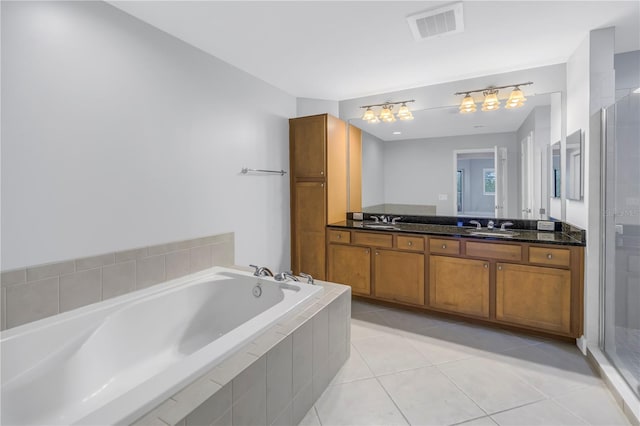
549, 256
410, 243
444, 246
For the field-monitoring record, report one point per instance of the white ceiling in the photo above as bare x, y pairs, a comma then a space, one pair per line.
341, 50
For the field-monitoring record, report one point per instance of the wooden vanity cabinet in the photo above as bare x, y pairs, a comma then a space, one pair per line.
534, 296
459, 285
380, 265
350, 265
533, 286
399, 276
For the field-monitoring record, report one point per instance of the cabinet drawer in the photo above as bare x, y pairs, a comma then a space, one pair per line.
549, 256
410, 243
339, 236
371, 239
494, 251
437, 245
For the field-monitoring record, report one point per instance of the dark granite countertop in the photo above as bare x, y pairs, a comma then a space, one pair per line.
523, 235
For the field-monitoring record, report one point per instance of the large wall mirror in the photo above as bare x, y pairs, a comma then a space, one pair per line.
574, 168
486, 164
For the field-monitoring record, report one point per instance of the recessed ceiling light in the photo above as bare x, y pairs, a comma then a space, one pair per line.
397, 133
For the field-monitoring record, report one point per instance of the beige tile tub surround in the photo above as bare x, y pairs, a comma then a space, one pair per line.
273, 380
36, 292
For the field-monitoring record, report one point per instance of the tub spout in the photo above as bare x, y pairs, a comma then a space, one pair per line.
261, 271
283, 276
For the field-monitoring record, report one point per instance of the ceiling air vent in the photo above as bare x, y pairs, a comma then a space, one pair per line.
437, 22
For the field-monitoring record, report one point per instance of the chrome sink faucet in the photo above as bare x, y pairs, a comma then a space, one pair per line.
503, 227
261, 271
395, 220
490, 224
476, 223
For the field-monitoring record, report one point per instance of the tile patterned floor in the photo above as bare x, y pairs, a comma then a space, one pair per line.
409, 368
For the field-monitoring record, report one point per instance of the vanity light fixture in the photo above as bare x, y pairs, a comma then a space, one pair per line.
386, 113
491, 101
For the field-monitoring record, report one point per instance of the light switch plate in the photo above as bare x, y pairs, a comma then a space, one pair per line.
358, 216
545, 225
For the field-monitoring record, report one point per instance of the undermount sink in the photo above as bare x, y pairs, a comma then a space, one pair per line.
496, 233
380, 226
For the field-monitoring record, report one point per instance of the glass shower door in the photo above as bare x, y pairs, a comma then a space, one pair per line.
621, 221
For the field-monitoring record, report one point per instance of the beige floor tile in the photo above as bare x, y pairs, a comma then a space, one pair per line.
490, 384
482, 421
389, 354
411, 321
427, 397
354, 369
595, 405
553, 368
542, 413
363, 402
369, 324
360, 306
311, 419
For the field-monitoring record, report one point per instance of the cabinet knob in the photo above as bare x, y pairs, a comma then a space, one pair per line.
410, 243
486, 265
339, 236
377, 253
366, 252
322, 185
321, 173
549, 256
444, 246
499, 268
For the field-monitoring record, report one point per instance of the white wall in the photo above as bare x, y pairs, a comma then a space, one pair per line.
116, 135
417, 171
308, 106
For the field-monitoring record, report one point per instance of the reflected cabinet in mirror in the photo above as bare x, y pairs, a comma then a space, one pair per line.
484, 164
574, 167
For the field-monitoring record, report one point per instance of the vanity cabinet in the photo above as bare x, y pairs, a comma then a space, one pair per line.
350, 265
399, 276
459, 285
519, 284
380, 265
318, 164
534, 296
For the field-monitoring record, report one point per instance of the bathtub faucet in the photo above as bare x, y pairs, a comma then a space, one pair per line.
261, 271
283, 276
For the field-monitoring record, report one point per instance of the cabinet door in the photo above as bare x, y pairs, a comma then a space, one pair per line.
534, 296
459, 285
308, 137
350, 265
309, 229
399, 276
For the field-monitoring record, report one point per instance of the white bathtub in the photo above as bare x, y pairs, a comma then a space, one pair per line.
111, 362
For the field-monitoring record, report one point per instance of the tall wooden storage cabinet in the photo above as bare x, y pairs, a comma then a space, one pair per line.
319, 187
